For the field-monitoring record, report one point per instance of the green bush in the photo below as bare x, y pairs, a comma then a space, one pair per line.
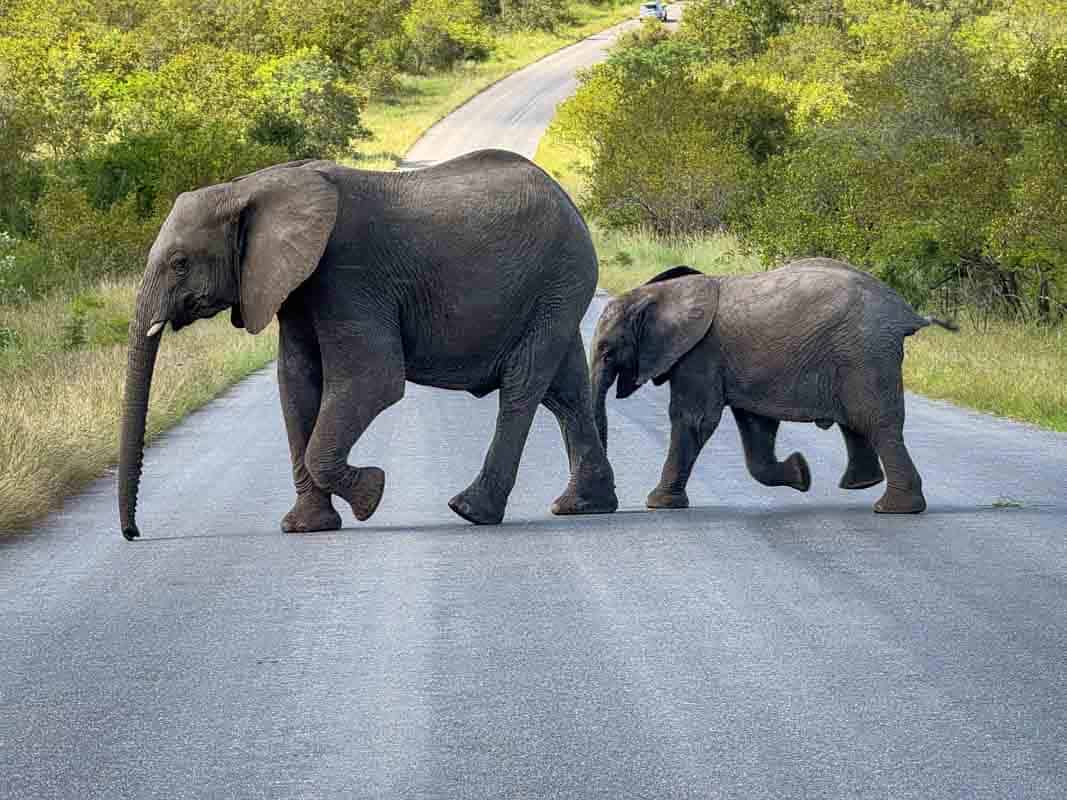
673, 151
303, 106
91, 323
535, 15
443, 32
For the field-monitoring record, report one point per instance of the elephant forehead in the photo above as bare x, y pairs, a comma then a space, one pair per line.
611, 316
194, 214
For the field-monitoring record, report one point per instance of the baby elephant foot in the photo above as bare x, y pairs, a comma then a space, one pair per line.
799, 475
366, 492
478, 505
313, 511
665, 498
901, 501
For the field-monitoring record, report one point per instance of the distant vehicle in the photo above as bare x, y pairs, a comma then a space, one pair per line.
654, 9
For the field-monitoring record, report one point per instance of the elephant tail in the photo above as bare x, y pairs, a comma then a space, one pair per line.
918, 322
948, 325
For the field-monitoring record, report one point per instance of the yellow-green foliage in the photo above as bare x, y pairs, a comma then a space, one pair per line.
922, 141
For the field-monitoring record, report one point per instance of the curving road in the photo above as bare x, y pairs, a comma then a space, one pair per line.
764, 644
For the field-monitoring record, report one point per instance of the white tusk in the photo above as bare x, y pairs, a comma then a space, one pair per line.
155, 329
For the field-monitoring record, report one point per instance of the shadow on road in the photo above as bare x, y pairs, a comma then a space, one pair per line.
858, 516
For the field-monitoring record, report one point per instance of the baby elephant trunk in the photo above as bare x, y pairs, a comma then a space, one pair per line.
603, 377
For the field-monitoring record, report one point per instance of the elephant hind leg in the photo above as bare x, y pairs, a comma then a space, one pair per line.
758, 435
875, 398
863, 470
525, 376
591, 489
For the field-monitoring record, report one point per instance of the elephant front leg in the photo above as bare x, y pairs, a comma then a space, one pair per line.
758, 436
365, 378
300, 388
591, 488
690, 431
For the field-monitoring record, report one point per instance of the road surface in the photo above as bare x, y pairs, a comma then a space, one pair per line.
763, 644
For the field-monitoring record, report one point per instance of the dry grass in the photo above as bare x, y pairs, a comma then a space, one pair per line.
60, 409
1009, 369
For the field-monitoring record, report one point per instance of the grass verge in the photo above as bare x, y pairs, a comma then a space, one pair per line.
63, 359
59, 407
1009, 369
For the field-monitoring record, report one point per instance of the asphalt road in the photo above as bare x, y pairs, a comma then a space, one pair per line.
763, 644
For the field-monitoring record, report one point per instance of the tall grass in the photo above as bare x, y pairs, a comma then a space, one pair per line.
1011, 369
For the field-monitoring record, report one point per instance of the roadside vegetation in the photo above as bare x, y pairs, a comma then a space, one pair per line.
925, 142
109, 110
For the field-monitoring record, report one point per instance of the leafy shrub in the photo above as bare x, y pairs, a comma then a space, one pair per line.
734, 30
304, 107
536, 15
443, 32
672, 152
90, 322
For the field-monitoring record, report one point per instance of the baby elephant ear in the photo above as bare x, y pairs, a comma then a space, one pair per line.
286, 217
678, 316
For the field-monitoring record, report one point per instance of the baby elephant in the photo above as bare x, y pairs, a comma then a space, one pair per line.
813, 341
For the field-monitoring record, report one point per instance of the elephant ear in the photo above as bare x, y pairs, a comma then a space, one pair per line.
286, 217
678, 315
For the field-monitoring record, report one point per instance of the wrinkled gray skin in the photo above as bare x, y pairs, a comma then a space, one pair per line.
814, 341
473, 274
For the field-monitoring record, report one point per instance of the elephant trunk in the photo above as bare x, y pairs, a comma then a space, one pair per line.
603, 378
145, 333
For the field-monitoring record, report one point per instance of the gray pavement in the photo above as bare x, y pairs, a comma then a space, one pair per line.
763, 644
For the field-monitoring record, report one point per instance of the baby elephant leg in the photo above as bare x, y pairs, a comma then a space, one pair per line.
693, 421
758, 435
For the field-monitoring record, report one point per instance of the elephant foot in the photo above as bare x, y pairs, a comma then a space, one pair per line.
660, 498
796, 466
862, 473
312, 512
898, 501
476, 504
366, 492
589, 492
574, 503
860, 478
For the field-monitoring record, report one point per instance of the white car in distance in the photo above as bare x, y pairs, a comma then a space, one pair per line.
654, 9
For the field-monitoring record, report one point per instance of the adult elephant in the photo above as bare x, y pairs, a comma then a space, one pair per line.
473, 275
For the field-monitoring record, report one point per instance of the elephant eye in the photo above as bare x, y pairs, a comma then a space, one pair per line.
181, 266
